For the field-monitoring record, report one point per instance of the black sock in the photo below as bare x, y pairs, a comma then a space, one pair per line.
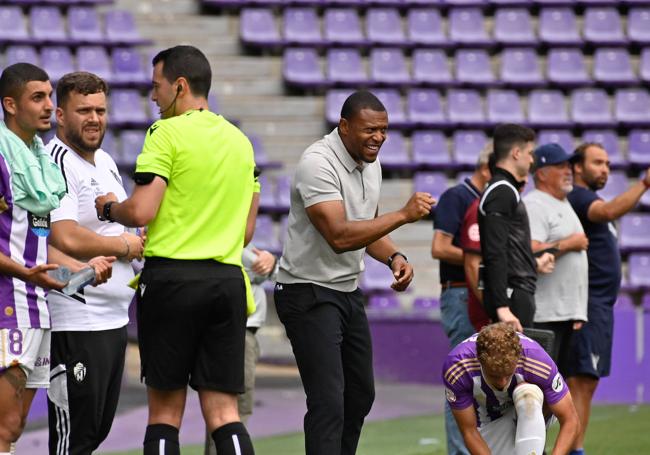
161, 439
232, 439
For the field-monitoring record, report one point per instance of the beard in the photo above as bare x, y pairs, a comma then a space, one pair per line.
77, 141
595, 184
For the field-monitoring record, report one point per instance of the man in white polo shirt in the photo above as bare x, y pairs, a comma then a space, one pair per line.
333, 220
89, 327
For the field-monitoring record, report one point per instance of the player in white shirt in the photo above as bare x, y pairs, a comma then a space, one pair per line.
89, 328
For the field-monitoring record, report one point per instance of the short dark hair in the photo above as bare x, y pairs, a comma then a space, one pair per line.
187, 62
509, 135
361, 99
15, 77
81, 82
580, 152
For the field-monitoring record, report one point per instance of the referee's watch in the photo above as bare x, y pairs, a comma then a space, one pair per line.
391, 258
106, 213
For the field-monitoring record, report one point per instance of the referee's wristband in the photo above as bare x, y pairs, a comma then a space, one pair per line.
391, 258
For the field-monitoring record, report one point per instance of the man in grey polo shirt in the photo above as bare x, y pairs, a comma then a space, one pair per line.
333, 220
561, 296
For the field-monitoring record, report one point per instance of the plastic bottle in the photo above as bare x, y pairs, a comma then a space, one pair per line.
61, 274
78, 280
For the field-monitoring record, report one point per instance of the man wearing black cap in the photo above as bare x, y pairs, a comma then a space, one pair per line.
561, 296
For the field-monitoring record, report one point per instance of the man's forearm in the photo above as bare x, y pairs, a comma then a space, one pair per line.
353, 235
82, 243
566, 437
55, 256
475, 443
381, 249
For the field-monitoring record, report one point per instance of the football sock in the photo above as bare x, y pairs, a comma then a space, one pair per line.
233, 439
161, 439
531, 432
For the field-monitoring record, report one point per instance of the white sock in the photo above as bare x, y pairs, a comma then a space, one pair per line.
531, 431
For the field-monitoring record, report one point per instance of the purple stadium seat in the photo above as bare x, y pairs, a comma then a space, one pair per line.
520, 68
394, 153
257, 27
638, 148
131, 146
473, 67
616, 184
609, 140
633, 232
301, 26
12, 25
121, 28
547, 108
602, 26
644, 65
127, 108
268, 201
392, 100
265, 236
464, 3
434, 183
638, 267
94, 59
46, 24
467, 27
22, 53
558, 26
376, 277
128, 67
590, 107
514, 27
301, 67
633, 107
465, 108
109, 144
342, 26
638, 25
562, 137
384, 27
504, 106
426, 304
566, 67
466, 147
382, 303
388, 67
430, 149
613, 67
261, 157
283, 192
334, 100
83, 25
425, 108
56, 61
345, 66
430, 66
425, 27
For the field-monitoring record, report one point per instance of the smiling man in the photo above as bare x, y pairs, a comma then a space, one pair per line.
333, 220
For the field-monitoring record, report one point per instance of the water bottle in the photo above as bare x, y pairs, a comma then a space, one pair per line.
61, 274
78, 280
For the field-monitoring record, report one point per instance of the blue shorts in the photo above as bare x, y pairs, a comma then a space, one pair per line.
591, 346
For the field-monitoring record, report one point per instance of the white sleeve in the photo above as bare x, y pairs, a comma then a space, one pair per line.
69, 205
539, 228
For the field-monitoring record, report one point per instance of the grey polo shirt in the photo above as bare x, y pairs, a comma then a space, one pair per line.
327, 172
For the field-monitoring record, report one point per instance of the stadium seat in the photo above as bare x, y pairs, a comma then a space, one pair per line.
384, 27
394, 153
504, 106
562, 137
473, 67
382, 303
638, 25
613, 67
434, 183
633, 232
547, 108
301, 68
520, 68
616, 184
466, 146
302, 27
388, 67
426, 304
265, 236
84, 26
609, 140
344, 66
94, 59
131, 145
467, 27
632, 107
566, 67
127, 109
392, 101
128, 67
558, 27
376, 277
465, 108
425, 27
22, 53
602, 26
430, 150
644, 65
334, 100
121, 29
56, 61
258, 28
46, 25
638, 266
342, 26
283, 192
110, 145
590, 107
262, 160
268, 201
430, 67
463, 3
12, 25
514, 27
638, 148
425, 108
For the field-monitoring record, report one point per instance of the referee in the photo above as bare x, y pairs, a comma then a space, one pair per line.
194, 187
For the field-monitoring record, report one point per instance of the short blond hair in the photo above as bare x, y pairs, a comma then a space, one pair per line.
498, 348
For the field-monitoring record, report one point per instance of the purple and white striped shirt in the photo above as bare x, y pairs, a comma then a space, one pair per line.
465, 385
22, 304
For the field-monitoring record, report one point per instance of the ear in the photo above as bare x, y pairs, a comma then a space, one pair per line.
344, 126
9, 105
182, 87
59, 116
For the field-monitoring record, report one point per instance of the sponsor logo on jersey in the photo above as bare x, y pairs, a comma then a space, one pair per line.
557, 383
79, 372
473, 233
451, 396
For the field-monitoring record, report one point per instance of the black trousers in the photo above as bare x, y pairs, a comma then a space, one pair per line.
85, 378
562, 343
522, 305
330, 338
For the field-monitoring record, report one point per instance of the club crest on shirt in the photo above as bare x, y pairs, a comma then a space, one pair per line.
474, 233
3, 204
557, 383
451, 396
79, 372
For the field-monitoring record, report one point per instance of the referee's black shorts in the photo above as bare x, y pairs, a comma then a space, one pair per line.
192, 325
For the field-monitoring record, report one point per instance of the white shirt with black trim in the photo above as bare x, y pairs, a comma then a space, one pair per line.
106, 306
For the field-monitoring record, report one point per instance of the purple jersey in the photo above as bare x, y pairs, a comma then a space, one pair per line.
465, 385
23, 238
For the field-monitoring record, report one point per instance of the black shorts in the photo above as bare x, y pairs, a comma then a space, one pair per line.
192, 325
560, 354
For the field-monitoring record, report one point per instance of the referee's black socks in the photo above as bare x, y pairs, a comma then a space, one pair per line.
161, 439
232, 439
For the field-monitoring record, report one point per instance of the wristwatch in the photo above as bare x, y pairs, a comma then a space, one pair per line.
391, 258
106, 212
